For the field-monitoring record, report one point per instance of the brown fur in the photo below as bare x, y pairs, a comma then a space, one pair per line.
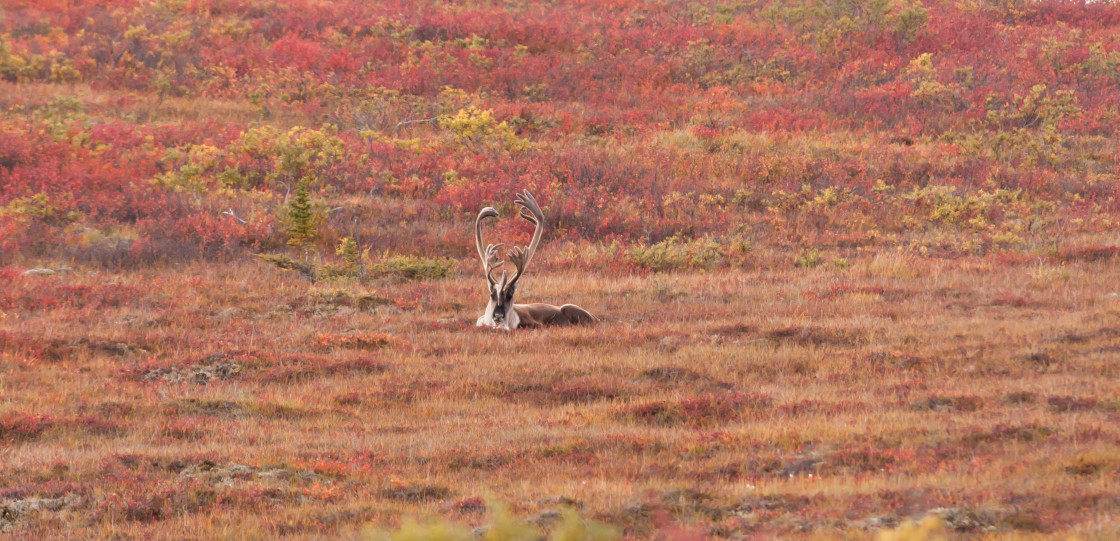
539, 315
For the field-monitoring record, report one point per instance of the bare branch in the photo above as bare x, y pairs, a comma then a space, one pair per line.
286, 193
407, 122
229, 212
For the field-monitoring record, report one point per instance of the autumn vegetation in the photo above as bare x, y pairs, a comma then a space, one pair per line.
856, 263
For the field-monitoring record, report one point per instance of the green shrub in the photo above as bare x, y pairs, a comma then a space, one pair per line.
328, 271
349, 252
677, 253
287, 263
405, 267
413, 268
809, 258
303, 223
910, 22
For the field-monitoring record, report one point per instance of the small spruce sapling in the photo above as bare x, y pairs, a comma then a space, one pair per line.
303, 226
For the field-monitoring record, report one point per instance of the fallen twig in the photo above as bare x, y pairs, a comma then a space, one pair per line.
407, 122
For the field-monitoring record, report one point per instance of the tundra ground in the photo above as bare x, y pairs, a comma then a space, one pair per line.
209, 401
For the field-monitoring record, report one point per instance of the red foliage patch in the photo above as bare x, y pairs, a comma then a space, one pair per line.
709, 409
20, 427
1089, 253
1066, 404
869, 458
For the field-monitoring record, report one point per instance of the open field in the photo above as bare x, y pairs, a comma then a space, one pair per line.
857, 261
210, 401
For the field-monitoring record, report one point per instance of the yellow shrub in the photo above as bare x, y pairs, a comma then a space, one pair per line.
479, 130
931, 528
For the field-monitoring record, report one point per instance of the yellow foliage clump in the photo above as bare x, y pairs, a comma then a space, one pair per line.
504, 526
931, 528
479, 130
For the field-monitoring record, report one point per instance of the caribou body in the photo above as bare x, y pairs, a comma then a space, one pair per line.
501, 312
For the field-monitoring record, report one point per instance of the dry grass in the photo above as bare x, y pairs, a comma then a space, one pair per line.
216, 402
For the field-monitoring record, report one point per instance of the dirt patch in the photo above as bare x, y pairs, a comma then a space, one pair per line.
771, 502
1084, 337
864, 457
486, 461
327, 300
214, 407
200, 375
672, 374
308, 368
964, 519
877, 522
1067, 404
1030, 432
1089, 254
471, 505
813, 336
956, 299
964, 403
358, 341
399, 390
734, 330
215, 367
110, 347
1020, 397
216, 474
903, 361
817, 407
1040, 361
703, 410
575, 390
415, 493
679, 376
1015, 301
690, 501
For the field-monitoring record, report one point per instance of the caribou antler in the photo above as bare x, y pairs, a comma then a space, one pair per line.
530, 210
489, 255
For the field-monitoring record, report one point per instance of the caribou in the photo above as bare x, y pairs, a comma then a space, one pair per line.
501, 312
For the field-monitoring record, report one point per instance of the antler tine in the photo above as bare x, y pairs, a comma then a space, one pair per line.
488, 255
490, 275
531, 211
